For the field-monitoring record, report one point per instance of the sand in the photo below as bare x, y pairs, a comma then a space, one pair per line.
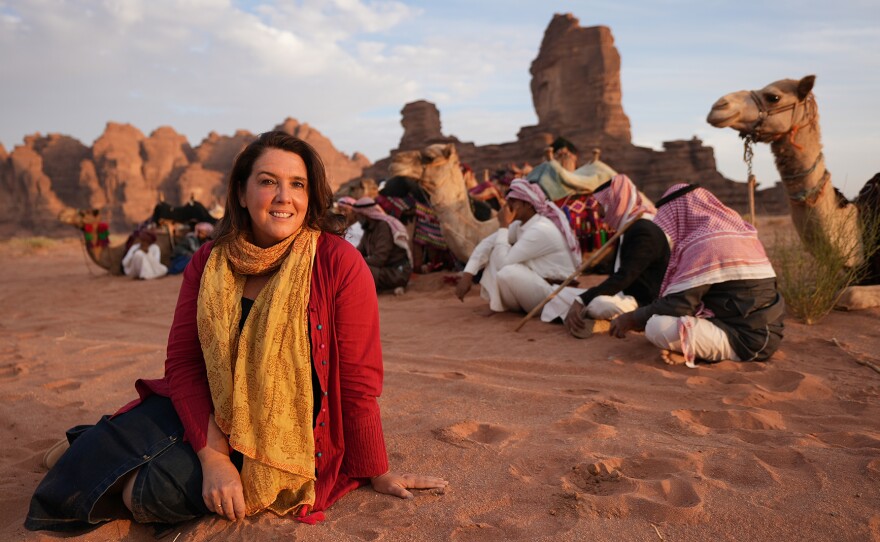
541, 436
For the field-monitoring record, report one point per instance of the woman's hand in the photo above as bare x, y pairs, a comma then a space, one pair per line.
221, 483
395, 484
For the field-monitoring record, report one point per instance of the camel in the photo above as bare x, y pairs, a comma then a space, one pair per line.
438, 171
96, 239
785, 115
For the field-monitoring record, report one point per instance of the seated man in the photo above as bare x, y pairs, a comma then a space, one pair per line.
533, 247
184, 250
384, 245
642, 257
718, 298
142, 261
353, 229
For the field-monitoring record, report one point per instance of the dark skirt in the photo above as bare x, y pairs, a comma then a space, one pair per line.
167, 488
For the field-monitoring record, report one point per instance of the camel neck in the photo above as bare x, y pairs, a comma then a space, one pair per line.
799, 158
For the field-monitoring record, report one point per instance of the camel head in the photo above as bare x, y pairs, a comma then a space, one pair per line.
768, 113
78, 218
432, 166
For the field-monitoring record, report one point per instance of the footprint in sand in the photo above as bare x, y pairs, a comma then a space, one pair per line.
469, 434
702, 422
63, 385
655, 488
594, 419
478, 532
11, 371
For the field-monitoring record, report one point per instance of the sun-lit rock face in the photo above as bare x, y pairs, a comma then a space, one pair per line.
125, 173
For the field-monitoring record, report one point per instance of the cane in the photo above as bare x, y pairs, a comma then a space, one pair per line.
598, 255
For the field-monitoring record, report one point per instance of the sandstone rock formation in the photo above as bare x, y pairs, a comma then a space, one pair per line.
576, 82
125, 174
576, 92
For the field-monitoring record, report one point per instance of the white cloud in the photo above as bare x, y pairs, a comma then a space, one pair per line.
347, 67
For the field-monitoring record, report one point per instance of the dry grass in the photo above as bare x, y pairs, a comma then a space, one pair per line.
25, 246
812, 281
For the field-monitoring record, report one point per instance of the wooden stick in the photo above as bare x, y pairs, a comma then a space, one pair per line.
752, 218
598, 255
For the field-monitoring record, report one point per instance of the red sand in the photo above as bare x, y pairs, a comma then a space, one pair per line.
542, 436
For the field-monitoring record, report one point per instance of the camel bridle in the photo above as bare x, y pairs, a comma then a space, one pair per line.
756, 134
756, 131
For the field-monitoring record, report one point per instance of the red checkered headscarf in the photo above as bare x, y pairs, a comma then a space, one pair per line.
710, 242
622, 201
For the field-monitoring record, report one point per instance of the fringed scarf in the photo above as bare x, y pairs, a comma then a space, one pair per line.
260, 379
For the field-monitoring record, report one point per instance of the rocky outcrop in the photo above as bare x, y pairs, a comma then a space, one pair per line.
421, 123
576, 82
576, 92
31, 198
126, 173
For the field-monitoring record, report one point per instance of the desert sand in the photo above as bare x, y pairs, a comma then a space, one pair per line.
541, 436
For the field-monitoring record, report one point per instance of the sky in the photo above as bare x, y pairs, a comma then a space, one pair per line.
347, 67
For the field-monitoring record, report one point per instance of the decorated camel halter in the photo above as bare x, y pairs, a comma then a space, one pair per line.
755, 134
755, 131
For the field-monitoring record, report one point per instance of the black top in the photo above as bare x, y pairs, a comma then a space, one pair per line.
644, 256
749, 311
246, 306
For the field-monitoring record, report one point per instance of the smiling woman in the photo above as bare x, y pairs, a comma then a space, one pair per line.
273, 370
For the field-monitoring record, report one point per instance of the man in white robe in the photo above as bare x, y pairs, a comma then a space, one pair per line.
533, 248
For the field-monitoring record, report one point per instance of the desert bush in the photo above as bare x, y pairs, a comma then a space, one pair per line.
812, 281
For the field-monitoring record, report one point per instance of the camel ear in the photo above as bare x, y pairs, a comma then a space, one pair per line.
805, 85
448, 150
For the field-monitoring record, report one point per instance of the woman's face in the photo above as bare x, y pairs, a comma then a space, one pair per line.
276, 196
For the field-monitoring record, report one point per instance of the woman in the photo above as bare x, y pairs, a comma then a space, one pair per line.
273, 368
718, 299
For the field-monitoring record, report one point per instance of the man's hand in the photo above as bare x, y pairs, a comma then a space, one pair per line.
623, 323
463, 286
505, 216
574, 320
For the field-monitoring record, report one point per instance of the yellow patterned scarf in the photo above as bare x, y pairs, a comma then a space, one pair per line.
260, 379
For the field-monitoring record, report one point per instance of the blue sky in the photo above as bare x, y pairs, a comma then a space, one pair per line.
347, 67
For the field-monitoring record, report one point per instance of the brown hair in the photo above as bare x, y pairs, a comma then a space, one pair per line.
236, 219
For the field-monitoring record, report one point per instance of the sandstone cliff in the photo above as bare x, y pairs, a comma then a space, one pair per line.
125, 173
577, 94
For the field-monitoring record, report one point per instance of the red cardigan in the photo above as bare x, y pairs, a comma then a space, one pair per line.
346, 353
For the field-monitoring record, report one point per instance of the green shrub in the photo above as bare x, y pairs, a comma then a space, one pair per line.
812, 281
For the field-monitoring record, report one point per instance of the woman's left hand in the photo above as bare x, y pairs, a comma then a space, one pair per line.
395, 484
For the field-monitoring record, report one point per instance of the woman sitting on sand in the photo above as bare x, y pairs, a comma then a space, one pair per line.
718, 299
273, 369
